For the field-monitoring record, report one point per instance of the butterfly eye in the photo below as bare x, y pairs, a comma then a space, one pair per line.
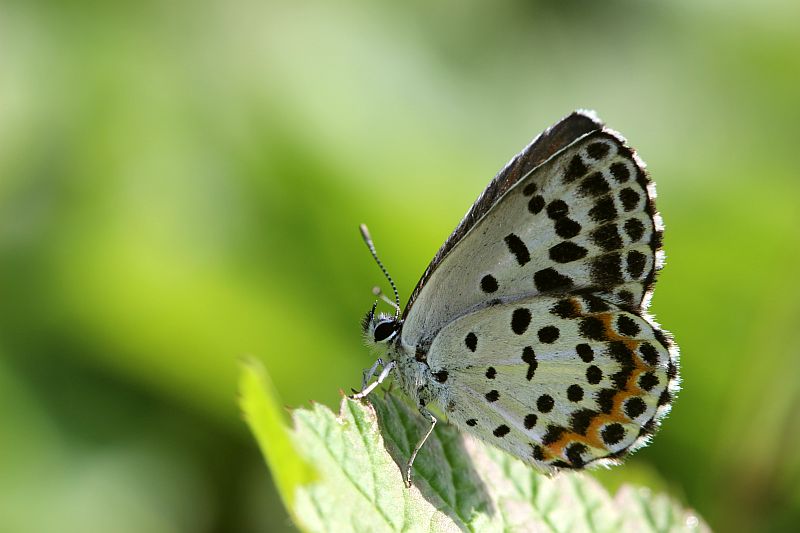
384, 330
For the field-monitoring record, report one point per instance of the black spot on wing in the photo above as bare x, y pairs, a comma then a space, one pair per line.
557, 209
656, 241
575, 454
536, 204
636, 261
492, 396
575, 393
647, 381
620, 379
627, 326
629, 198
672, 370
517, 248
565, 308
549, 279
595, 304
606, 270
605, 400
529, 189
597, 150
440, 376
594, 375
612, 433
585, 352
501, 431
471, 340
581, 420
575, 169
566, 228
634, 407
634, 228
592, 328
530, 420
606, 237
593, 185
665, 398
662, 338
619, 352
620, 172
548, 334
489, 284
537, 452
649, 353
520, 320
529, 356
545, 403
626, 297
567, 251
553, 434
603, 210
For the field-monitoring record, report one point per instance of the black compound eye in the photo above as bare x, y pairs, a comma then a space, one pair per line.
383, 331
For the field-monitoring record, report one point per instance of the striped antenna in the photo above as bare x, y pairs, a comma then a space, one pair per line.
379, 293
368, 241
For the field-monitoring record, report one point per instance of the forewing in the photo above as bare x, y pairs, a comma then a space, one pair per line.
551, 141
582, 220
559, 382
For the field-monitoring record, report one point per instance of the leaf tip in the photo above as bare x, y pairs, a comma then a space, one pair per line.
259, 404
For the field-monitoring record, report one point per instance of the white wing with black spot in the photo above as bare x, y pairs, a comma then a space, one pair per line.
559, 382
581, 219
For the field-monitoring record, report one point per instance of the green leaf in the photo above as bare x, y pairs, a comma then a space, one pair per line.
259, 404
459, 483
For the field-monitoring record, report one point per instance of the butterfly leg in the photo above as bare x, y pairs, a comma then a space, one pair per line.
380, 379
432, 419
369, 372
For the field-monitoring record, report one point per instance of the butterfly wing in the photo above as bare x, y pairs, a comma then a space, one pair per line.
574, 212
549, 142
560, 382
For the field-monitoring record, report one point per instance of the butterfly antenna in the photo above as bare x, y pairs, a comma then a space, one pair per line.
368, 241
379, 293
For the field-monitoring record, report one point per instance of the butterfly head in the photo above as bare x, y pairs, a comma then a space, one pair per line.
381, 328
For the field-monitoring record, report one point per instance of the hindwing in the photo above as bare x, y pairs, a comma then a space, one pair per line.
559, 382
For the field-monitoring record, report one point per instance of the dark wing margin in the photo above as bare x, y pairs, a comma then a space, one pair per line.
549, 142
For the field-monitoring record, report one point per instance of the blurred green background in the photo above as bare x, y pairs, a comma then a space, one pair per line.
181, 184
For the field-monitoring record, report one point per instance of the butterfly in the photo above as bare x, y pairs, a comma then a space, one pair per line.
529, 328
